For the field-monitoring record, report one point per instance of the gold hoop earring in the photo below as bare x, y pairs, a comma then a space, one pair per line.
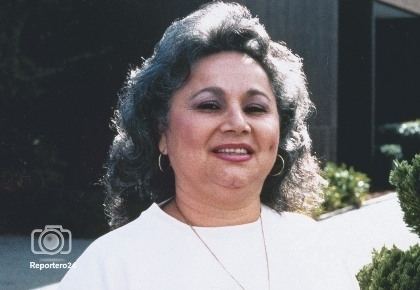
282, 167
159, 162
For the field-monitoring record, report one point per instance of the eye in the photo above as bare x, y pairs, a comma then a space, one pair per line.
209, 106
255, 109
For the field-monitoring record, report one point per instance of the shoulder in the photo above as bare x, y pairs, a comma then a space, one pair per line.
107, 259
287, 215
289, 221
143, 232
300, 240
293, 232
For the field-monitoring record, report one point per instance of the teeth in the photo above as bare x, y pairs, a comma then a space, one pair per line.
233, 151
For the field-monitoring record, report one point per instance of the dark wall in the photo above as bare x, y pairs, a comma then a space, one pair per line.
378, 81
355, 84
310, 29
61, 66
397, 70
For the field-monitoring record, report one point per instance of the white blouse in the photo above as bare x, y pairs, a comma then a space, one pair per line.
156, 251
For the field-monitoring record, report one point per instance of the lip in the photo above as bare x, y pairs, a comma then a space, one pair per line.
234, 157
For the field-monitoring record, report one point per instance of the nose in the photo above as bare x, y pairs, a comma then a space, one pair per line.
236, 121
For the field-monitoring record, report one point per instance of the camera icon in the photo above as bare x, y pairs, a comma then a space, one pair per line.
51, 240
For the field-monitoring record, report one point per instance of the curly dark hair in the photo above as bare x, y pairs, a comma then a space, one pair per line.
133, 180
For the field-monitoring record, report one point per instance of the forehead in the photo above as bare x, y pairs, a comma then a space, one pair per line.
228, 61
228, 69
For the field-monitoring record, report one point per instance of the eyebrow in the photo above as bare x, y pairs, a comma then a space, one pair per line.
219, 92
214, 90
253, 92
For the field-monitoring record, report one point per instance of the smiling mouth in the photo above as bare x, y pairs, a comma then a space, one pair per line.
233, 151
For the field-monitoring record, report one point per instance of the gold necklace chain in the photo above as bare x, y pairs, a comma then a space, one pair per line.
218, 260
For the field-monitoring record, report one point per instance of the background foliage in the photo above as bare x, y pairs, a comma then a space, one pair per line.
406, 135
394, 268
406, 178
396, 141
346, 187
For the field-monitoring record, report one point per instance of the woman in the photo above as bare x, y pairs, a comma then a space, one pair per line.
214, 128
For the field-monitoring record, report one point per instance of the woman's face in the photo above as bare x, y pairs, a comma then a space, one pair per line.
223, 127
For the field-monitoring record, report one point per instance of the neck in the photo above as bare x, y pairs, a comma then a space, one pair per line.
210, 214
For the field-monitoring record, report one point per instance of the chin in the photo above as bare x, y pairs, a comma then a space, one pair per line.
233, 181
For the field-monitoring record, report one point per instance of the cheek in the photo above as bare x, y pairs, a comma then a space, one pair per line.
185, 132
272, 135
187, 145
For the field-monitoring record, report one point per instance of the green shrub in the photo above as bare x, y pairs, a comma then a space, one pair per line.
392, 269
406, 178
346, 187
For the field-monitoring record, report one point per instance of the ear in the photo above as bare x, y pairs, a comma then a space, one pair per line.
162, 144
